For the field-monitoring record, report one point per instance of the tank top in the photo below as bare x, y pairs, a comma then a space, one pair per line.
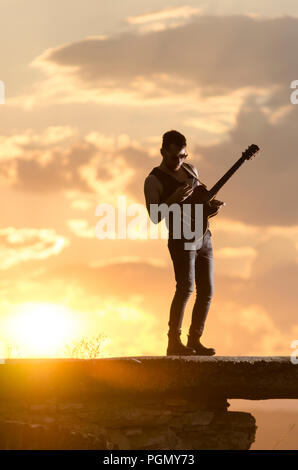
170, 184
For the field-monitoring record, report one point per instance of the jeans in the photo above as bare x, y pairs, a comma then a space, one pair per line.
192, 266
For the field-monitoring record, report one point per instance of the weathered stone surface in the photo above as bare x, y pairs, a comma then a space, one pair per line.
136, 403
254, 378
218, 430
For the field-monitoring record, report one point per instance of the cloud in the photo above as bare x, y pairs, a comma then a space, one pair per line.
247, 316
252, 315
263, 191
94, 164
270, 284
189, 62
272, 281
30, 141
62, 170
170, 12
80, 228
24, 244
240, 260
128, 259
48, 161
159, 20
247, 331
248, 64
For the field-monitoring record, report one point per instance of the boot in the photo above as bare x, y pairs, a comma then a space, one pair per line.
195, 343
175, 347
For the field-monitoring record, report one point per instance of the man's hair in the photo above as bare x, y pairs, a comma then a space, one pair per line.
173, 137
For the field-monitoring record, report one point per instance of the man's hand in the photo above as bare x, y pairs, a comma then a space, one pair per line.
217, 203
181, 193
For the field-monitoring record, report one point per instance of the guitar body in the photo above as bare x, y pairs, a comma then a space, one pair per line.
200, 195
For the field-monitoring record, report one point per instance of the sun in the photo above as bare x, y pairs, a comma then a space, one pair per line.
41, 329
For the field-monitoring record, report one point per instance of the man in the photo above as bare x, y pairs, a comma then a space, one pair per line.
167, 184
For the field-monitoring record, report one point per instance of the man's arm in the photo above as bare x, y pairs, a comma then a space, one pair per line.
152, 191
152, 194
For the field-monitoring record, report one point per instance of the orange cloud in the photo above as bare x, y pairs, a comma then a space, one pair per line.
165, 13
163, 19
253, 194
19, 245
81, 229
185, 64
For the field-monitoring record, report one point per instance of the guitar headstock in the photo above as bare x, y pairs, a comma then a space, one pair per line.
250, 152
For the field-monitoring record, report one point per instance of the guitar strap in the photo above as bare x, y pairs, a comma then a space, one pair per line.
190, 170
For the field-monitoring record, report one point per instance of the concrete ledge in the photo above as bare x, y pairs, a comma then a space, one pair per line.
176, 402
246, 377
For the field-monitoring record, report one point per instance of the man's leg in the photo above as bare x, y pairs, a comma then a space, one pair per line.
204, 293
184, 267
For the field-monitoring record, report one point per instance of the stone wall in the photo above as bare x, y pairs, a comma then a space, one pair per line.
170, 424
159, 403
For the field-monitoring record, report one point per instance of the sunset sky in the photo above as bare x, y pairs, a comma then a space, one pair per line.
90, 89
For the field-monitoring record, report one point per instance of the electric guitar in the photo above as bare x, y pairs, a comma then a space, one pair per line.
201, 195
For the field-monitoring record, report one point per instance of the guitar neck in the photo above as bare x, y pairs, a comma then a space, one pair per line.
214, 190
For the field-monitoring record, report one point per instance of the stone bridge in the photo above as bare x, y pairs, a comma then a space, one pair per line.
156, 402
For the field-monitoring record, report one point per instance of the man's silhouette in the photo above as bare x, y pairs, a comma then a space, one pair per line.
167, 184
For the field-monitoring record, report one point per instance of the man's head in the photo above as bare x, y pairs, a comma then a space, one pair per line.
173, 149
